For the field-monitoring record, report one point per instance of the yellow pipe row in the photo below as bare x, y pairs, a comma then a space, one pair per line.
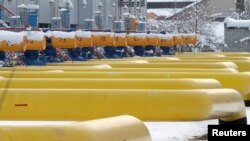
122, 128
237, 81
213, 58
84, 69
217, 65
109, 83
214, 54
147, 105
243, 65
106, 74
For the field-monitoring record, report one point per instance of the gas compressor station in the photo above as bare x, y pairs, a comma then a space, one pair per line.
109, 74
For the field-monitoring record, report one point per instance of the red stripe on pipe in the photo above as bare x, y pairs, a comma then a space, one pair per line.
21, 105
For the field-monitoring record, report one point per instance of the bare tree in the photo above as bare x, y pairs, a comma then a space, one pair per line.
192, 19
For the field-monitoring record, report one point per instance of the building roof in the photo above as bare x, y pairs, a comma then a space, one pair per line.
232, 23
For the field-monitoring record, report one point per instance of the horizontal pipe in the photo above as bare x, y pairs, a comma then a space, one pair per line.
121, 128
238, 81
212, 58
103, 73
215, 53
147, 105
243, 65
73, 83
68, 68
219, 65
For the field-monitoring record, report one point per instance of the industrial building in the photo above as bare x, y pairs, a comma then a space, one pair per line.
90, 14
237, 35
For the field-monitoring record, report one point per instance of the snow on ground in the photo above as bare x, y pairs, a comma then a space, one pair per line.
218, 28
178, 131
181, 131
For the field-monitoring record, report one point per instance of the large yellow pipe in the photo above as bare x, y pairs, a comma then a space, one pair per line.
110, 83
103, 73
122, 128
173, 59
243, 65
79, 68
237, 81
215, 53
147, 105
213, 58
217, 65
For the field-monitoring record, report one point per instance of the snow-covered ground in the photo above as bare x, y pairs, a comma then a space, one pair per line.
181, 131
218, 28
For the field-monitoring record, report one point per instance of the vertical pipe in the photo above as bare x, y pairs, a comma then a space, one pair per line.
196, 20
106, 16
55, 7
16, 8
79, 4
135, 7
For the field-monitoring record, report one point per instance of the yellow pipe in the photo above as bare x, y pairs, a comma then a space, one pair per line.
218, 65
79, 68
147, 105
110, 83
122, 128
237, 81
214, 53
103, 73
186, 54
214, 58
222, 54
243, 65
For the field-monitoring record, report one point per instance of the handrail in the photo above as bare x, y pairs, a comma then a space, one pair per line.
6, 9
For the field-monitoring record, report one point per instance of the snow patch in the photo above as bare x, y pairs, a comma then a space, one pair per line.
32, 6
230, 22
83, 34
56, 18
112, 34
22, 6
152, 35
138, 35
165, 36
181, 131
34, 35
166, 12
245, 39
60, 34
11, 37
122, 35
